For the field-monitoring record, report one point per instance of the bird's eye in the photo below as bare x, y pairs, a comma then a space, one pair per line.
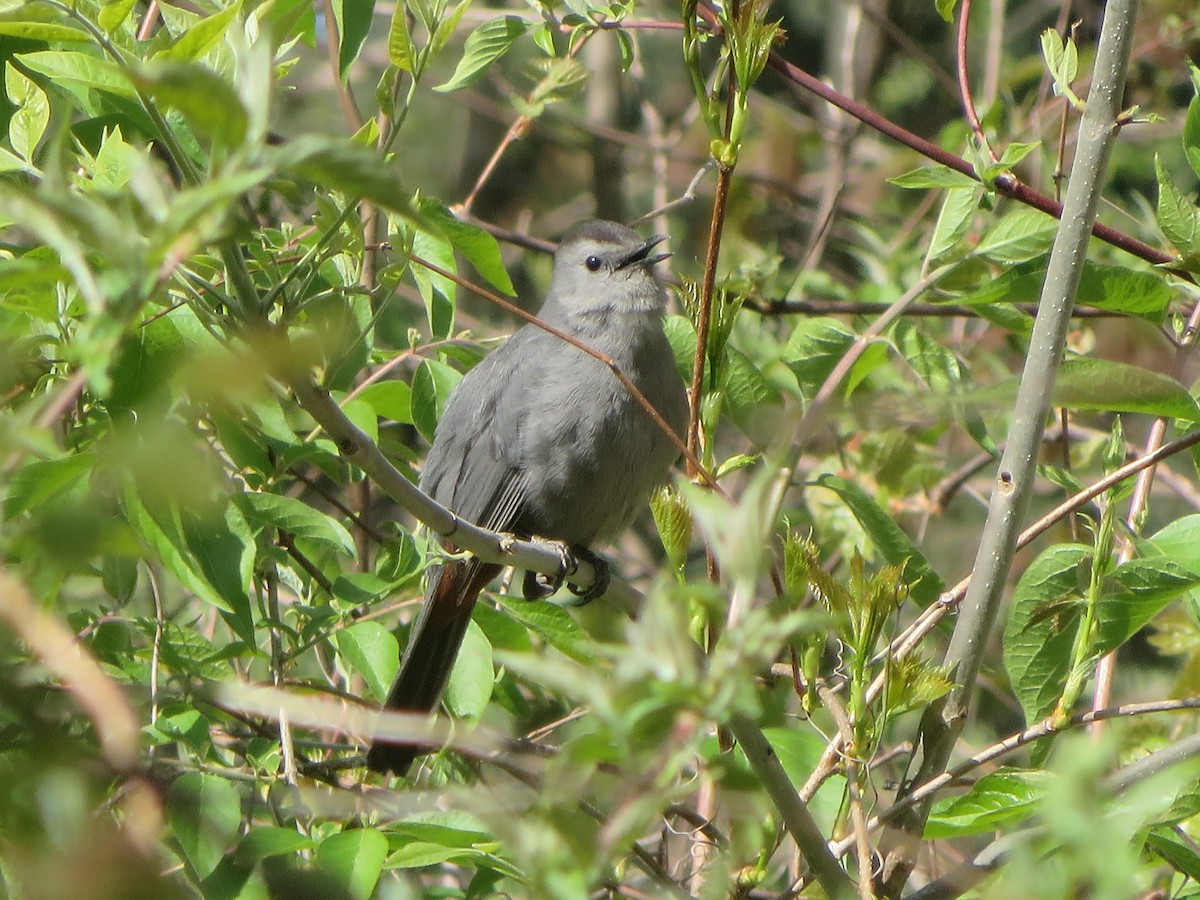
593, 263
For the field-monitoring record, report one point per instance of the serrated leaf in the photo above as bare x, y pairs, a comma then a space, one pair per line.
890, 540
485, 45
296, 517
371, 651
1119, 387
1020, 235
953, 221
1144, 588
1177, 216
1003, 797
1037, 648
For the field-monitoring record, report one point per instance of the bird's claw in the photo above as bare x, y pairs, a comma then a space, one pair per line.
538, 586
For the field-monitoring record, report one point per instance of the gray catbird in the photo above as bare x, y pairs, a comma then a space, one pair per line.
542, 439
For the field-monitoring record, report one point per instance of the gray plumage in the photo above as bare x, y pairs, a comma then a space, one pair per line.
542, 439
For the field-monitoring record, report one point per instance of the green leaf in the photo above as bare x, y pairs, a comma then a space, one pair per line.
446, 27
211, 106
296, 517
1114, 288
113, 14
431, 387
890, 540
39, 21
1144, 587
1020, 235
553, 624
197, 40
1179, 854
437, 291
749, 396
1191, 135
266, 841
371, 651
400, 49
486, 44
479, 247
799, 751
353, 24
28, 121
470, 686
1178, 542
36, 483
1177, 216
205, 813
352, 169
814, 348
1119, 387
1042, 621
224, 551
79, 69
391, 399
938, 176
1004, 797
355, 858
953, 222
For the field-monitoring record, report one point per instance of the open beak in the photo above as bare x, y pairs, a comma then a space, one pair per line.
641, 256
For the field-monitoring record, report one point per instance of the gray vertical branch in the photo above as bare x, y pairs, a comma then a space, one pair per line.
942, 722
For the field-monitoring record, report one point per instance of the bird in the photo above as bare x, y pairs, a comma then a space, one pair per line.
542, 439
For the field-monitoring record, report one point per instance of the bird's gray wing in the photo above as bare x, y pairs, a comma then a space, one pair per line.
472, 467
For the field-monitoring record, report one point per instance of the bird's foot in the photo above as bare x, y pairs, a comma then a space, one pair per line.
602, 574
538, 586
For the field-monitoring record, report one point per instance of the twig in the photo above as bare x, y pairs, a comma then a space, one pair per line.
860, 839
796, 817
964, 79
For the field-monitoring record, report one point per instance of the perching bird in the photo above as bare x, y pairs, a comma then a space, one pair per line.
541, 439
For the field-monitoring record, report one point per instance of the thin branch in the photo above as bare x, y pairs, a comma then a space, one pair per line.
964, 79
820, 307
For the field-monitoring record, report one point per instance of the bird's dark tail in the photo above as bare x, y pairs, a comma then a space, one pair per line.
432, 648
